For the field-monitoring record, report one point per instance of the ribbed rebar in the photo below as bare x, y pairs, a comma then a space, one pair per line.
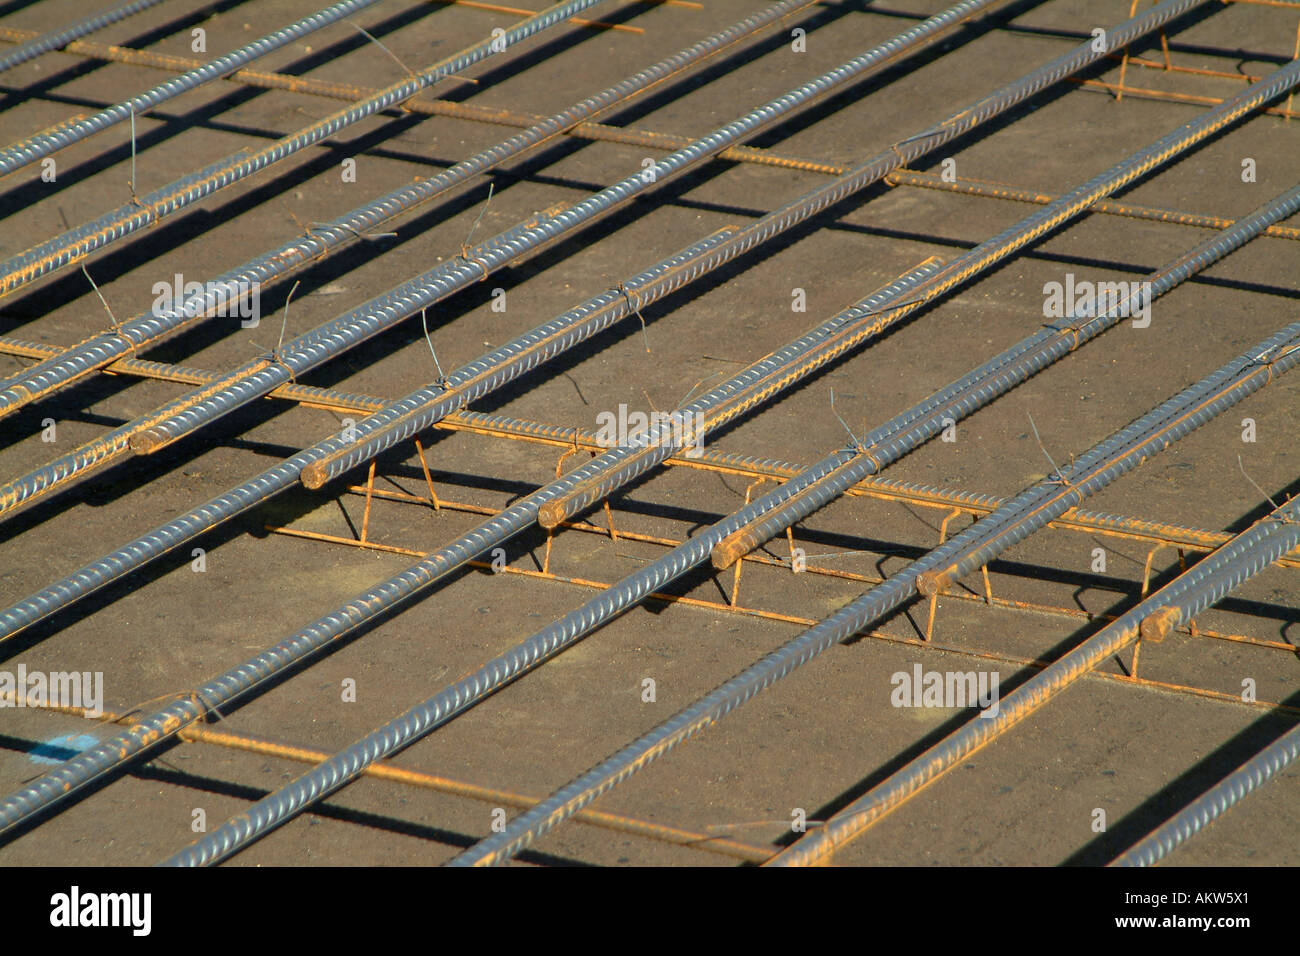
325, 240
59, 38
1220, 798
478, 379
77, 243
1106, 461
635, 462
17, 155
446, 279
222, 690
1204, 585
465, 384
92, 763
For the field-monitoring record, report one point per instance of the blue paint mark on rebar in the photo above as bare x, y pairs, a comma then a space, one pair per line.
59, 749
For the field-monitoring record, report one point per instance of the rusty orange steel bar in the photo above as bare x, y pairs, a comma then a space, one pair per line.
995, 190
634, 137
1149, 94
729, 608
1137, 529
370, 491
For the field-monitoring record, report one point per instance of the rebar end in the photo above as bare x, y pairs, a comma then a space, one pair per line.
931, 583
147, 442
1157, 626
550, 514
726, 553
314, 476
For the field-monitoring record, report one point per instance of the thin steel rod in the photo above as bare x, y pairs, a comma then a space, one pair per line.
1106, 461
62, 37
1073, 613
991, 190
76, 244
1216, 801
151, 327
93, 763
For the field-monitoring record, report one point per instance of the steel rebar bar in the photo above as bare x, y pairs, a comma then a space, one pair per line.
1219, 799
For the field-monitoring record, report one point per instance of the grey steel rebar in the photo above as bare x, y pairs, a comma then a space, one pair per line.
383, 431
1204, 585
1220, 798
93, 763
883, 445
494, 370
446, 279
325, 240
77, 243
1011, 522
62, 37
17, 155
